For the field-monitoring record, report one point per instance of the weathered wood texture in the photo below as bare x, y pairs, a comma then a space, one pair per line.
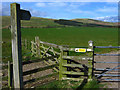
91, 63
16, 45
67, 66
10, 74
43, 49
16, 15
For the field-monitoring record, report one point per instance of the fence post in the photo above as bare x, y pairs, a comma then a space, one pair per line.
60, 64
37, 41
10, 74
90, 62
32, 48
61, 68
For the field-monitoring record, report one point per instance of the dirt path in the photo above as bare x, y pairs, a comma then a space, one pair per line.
30, 77
32, 66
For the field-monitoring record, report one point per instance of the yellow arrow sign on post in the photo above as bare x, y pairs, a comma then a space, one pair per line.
80, 49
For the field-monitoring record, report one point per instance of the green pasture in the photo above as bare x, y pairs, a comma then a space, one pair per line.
73, 36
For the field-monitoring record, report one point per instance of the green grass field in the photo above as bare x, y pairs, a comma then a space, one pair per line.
73, 36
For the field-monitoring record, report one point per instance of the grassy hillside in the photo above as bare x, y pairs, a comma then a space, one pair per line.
95, 22
34, 22
37, 22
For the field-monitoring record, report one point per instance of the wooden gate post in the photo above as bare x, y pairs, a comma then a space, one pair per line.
16, 15
37, 41
90, 69
61, 68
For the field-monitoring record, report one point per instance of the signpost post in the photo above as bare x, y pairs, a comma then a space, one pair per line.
16, 15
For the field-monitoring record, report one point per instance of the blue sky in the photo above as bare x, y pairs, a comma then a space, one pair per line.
66, 10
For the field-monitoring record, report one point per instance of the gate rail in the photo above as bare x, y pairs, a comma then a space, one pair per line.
107, 70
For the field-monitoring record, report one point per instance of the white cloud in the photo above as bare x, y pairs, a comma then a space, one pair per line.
61, 4
37, 13
40, 4
34, 12
108, 9
51, 4
108, 18
57, 4
83, 12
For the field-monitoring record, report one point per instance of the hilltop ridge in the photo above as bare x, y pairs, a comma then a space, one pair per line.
38, 22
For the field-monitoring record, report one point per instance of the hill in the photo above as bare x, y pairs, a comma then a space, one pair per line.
37, 22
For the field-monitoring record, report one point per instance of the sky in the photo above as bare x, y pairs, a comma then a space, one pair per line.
66, 10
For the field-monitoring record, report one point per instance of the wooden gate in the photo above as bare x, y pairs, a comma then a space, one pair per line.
76, 67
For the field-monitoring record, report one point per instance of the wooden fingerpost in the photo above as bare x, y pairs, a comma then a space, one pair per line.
16, 15
90, 62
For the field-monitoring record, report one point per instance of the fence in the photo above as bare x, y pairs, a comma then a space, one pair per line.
112, 72
46, 52
54, 56
74, 70
58, 58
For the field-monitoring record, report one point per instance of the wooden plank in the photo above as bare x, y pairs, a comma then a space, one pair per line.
16, 45
49, 55
46, 52
51, 50
39, 69
73, 79
109, 75
72, 73
50, 44
73, 49
38, 60
72, 65
40, 78
106, 46
78, 57
51, 64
